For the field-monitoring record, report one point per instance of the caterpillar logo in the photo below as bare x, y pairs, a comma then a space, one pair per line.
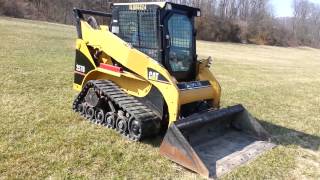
156, 76
137, 7
153, 75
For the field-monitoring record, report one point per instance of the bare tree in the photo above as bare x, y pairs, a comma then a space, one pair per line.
221, 20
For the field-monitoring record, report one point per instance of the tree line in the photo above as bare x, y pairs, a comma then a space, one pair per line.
243, 21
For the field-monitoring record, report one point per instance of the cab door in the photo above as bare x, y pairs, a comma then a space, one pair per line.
180, 45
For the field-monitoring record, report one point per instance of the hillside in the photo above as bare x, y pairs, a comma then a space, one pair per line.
41, 137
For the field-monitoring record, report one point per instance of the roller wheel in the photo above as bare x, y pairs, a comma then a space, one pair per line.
99, 118
90, 113
122, 125
110, 120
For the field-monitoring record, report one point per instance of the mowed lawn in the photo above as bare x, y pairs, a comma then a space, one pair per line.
40, 136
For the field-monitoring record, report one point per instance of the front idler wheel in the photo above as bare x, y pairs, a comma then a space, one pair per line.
81, 109
135, 130
99, 118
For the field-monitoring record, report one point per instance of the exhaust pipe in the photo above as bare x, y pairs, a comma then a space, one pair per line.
213, 143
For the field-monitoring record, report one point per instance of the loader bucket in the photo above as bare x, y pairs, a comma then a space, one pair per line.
213, 143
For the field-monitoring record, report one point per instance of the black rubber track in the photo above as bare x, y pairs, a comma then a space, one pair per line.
150, 122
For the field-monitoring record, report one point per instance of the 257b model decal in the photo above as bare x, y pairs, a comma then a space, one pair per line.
80, 68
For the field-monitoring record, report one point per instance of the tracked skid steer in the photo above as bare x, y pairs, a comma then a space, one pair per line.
141, 76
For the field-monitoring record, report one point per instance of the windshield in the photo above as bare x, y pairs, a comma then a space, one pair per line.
180, 54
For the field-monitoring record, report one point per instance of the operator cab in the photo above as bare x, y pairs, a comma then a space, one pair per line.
164, 31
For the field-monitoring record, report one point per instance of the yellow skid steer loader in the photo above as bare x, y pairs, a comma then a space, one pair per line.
140, 75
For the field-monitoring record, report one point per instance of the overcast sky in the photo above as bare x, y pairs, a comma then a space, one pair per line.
284, 7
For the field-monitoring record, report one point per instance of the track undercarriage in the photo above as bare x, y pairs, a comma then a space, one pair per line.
102, 102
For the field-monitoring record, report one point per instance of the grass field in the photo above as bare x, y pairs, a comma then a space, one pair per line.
40, 137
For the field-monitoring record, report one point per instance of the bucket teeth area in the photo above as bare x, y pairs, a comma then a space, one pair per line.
215, 142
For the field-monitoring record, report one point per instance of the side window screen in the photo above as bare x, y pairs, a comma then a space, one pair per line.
148, 29
128, 25
140, 29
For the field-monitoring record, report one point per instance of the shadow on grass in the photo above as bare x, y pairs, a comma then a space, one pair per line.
285, 136
155, 142
280, 136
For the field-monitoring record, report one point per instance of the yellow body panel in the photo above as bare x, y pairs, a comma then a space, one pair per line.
206, 74
130, 83
189, 96
77, 87
138, 84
